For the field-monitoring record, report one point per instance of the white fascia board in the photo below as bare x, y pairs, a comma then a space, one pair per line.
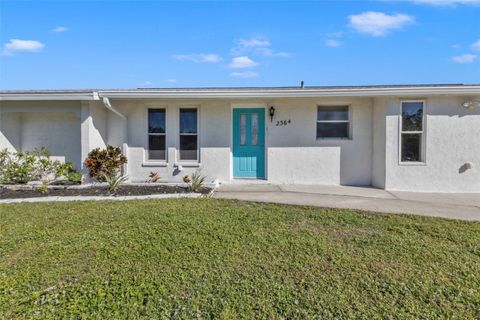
86, 96
272, 93
246, 93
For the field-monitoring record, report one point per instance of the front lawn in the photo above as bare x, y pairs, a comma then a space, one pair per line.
206, 258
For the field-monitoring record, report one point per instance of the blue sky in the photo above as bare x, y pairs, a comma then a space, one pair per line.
128, 44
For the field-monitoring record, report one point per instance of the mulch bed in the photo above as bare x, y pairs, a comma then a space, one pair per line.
125, 190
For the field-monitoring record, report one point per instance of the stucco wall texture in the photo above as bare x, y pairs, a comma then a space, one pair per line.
293, 153
55, 125
452, 139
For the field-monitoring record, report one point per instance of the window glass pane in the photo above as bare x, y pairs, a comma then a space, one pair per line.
243, 129
188, 120
156, 147
411, 147
412, 116
254, 129
156, 120
332, 130
188, 147
332, 113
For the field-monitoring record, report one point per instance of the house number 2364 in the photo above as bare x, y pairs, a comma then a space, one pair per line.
283, 122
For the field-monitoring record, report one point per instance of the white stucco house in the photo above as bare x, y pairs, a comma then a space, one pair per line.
406, 137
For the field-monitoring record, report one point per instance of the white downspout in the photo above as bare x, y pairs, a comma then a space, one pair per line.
108, 105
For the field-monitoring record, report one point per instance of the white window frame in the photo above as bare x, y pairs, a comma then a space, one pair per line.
423, 139
349, 136
179, 159
147, 159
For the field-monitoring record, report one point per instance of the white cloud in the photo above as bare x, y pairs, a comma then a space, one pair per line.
171, 80
271, 53
333, 43
464, 58
247, 45
337, 34
446, 2
147, 83
378, 24
245, 75
242, 62
60, 29
17, 45
476, 45
257, 46
253, 42
199, 57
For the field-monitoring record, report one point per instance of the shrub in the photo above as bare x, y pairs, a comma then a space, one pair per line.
17, 167
195, 182
24, 166
66, 170
104, 162
44, 187
114, 181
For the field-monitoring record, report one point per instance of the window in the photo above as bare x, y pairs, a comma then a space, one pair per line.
156, 134
254, 128
411, 135
333, 122
243, 129
188, 134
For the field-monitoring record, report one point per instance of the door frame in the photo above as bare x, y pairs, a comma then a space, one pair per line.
249, 105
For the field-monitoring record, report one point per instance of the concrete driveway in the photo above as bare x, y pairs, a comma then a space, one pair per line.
464, 206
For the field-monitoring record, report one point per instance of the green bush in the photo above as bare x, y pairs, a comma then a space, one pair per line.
66, 170
24, 166
17, 167
104, 162
44, 187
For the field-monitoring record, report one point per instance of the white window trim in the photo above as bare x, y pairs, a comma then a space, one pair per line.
423, 150
189, 162
155, 162
349, 112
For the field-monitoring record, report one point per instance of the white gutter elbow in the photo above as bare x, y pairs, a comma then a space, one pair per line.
109, 106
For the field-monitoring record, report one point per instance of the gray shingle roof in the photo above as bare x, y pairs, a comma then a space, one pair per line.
227, 89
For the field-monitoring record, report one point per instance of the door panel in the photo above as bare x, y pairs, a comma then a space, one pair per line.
249, 143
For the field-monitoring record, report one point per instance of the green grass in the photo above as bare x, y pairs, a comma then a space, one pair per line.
206, 258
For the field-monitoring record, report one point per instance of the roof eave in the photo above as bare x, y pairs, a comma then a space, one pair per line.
467, 90
84, 96
368, 92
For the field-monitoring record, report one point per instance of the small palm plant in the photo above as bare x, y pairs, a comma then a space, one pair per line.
197, 181
114, 181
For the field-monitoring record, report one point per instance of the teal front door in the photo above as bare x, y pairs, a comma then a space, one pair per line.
249, 143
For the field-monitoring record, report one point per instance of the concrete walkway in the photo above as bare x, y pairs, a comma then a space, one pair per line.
101, 198
462, 206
